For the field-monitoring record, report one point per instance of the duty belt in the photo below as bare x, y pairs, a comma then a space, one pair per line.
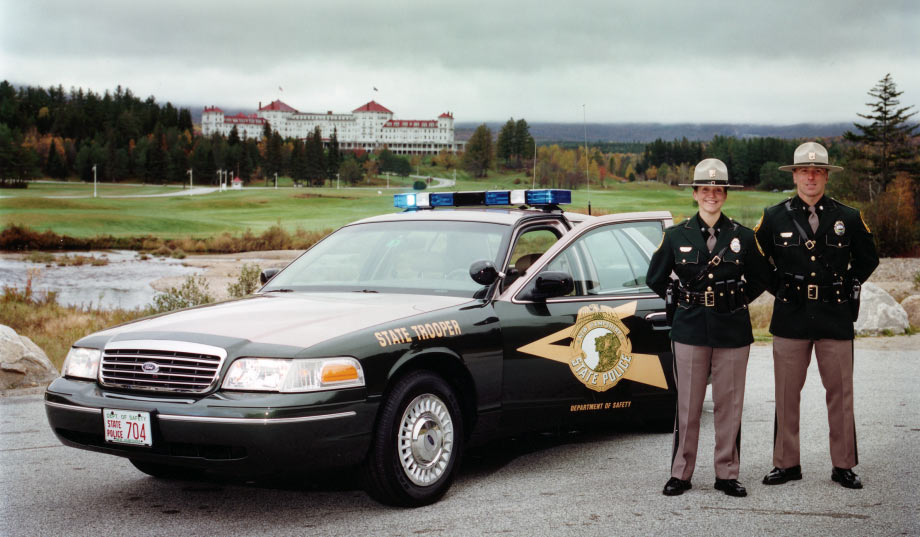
797, 287
727, 296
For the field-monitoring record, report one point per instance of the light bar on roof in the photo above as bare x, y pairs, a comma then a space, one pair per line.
533, 198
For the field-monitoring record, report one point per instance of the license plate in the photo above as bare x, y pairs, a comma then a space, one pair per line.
127, 427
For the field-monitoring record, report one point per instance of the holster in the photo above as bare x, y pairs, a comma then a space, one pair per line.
670, 301
855, 291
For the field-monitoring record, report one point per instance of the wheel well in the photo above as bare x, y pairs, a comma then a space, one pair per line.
453, 372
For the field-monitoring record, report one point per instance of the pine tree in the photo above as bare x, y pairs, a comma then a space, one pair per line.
55, 166
333, 157
477, 159
504, 147
887, 145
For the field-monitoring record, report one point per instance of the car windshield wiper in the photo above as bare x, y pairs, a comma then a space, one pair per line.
280, 290
366, 291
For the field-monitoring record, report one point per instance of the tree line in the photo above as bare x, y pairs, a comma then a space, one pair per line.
52, 133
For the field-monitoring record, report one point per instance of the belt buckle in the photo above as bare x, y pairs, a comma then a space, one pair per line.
716, 260
709, 298
812, 292
810, 244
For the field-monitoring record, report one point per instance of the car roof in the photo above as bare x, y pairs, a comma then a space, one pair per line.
503, 216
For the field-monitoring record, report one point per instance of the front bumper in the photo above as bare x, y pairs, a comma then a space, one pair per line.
229, 432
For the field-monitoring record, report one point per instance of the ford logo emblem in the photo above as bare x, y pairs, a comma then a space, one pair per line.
150, 367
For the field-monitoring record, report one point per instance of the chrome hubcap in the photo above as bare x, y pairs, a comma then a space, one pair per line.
425, 439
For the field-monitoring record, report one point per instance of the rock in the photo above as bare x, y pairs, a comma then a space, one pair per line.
911, 305
22, 363
878, 312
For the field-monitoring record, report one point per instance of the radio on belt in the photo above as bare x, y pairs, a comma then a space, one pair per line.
544, 198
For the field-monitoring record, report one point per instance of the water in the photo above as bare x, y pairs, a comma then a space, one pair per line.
123, 283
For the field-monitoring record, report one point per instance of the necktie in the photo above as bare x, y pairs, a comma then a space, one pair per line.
711, 241
813, 219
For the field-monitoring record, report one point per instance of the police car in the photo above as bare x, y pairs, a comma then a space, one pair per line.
393, 343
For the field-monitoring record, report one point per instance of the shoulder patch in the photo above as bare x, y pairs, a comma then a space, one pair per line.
864, 223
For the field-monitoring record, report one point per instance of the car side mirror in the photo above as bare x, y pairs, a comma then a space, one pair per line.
268, 274
483, 272
549, 284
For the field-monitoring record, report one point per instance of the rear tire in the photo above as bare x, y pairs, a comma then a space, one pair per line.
417, 442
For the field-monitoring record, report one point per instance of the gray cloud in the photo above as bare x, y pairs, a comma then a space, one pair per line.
505, 53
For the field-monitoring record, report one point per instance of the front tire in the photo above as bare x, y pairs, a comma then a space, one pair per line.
417, 442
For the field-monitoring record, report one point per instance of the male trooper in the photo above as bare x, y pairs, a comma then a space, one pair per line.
822, 250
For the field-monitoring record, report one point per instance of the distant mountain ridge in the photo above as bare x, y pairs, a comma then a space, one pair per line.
649, 132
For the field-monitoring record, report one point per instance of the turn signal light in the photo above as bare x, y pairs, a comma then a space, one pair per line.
339, 373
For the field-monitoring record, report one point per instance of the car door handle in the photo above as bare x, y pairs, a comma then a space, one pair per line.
658, 320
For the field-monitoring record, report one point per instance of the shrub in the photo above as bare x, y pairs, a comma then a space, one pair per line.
193, 292
419, 185
892, 216
246, 282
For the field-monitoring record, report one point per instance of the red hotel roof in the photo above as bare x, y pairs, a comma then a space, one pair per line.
212, 109
372, 106
278, 105
447, 115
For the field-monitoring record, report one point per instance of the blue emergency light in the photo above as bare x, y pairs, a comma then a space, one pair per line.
533, 198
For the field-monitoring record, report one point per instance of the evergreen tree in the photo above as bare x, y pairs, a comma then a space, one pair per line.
334, 156
55, 166
316, 166
477, 159
887, 145
504, 147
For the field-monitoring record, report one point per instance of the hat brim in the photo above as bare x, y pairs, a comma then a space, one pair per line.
828, 167
710, 184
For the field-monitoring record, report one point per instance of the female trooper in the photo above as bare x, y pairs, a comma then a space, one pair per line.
719, 271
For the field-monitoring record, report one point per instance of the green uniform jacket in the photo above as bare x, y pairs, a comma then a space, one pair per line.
683, 251
846, 244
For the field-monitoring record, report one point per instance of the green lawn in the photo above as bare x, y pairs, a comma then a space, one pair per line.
307, 208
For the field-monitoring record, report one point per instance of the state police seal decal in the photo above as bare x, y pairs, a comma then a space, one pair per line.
600, 350
597, 349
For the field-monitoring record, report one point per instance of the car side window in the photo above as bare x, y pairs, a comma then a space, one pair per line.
610, 260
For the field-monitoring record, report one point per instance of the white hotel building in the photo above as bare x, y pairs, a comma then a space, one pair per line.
369, 127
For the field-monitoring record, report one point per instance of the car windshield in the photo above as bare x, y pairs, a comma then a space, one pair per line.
428, 257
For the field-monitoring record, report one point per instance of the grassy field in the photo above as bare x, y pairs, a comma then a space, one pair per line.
43, 206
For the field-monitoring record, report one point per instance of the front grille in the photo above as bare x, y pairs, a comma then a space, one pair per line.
161, 366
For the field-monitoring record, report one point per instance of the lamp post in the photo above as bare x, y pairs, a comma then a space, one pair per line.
585, 124
94, 180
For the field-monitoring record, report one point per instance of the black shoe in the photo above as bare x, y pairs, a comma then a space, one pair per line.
778, 476
676, 487
731, 487
846, 477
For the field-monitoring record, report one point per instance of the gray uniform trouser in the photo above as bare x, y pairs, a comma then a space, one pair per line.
692, 365
835, 364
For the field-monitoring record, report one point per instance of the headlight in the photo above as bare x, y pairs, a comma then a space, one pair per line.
290, 376
82, 363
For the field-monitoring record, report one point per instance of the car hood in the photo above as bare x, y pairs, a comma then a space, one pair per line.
300, 320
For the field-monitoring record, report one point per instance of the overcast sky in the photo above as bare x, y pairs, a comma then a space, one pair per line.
776, 62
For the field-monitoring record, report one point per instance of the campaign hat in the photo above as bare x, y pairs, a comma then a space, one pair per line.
810, 155
710, 172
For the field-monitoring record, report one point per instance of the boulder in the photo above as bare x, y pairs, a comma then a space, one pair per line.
22, 363
911, 305
878, 312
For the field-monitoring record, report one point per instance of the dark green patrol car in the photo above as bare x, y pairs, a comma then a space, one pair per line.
393, 343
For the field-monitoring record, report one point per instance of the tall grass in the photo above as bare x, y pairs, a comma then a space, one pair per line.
19, 238
51, 326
